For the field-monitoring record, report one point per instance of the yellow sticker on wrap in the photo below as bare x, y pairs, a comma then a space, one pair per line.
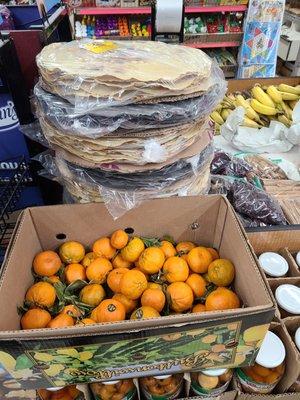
98, 48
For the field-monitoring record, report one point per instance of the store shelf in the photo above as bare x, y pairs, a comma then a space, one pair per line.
112, 10
213, 9
211, 45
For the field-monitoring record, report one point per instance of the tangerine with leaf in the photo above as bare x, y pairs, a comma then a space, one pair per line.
103, 248
119, 239
41, 294
35, 318
92, 294
46, 263
109, 310
74, 272
98, 270
71, 252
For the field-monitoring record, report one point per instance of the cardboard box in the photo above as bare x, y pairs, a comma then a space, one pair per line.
35, 359
290, 375
245, 84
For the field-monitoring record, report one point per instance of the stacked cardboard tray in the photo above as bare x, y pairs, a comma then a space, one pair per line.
132, 109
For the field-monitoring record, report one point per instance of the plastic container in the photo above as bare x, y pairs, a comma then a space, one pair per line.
273, 264
210, 382
114, 390
268, 369
62, 393
288, 298
164, 387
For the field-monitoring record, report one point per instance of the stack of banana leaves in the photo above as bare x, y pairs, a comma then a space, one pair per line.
262, 105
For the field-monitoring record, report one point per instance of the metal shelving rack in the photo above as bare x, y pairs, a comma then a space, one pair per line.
11, 187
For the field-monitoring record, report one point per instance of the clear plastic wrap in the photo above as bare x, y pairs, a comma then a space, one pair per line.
129, 118
105, 72
252, 203
122, 192
157, 146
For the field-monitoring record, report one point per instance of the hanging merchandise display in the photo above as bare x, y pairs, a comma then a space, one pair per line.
262, 27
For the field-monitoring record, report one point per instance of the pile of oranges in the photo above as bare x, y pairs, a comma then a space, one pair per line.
125, 278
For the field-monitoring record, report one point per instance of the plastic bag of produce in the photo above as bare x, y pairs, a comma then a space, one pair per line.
249, 201
276, 138
65, 117
122, 192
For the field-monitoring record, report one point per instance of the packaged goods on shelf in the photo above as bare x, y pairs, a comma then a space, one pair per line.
108, 3
213, 23
165, 344
122, 192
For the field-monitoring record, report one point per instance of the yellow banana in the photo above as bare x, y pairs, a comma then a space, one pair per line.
262, 97
284, 120
217, 128
216, 117
225, 113
250, 123
262, 108
250, 113
219, 108
289, 96
287, 110
289, 89
274, 94
293, 103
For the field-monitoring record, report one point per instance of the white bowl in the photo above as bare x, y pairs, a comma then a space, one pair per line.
273, 264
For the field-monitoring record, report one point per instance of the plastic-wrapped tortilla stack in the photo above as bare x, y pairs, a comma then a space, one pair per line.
127, 108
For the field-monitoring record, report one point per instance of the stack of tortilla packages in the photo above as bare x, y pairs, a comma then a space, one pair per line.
127, 120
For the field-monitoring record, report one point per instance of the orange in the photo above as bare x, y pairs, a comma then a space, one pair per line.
61, 321
213, 252
185, 247
154, 298
71, 252
168, 249
151, 260
198, 308
36, 318
41, 294
74, 272
92, 294
197, 284
53, 279
109, 310
133, 284
98, 270
221, 272
152, 285
222, 299
46, 263
88, 258
145, 312
114, 278
86, 321
72, 310
119, 239
199, 259
119, 262
176, 269
103, 248
138, 269
133, 250
181, 296
129, 304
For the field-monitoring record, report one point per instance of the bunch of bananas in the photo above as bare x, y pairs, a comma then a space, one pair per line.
261, 104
